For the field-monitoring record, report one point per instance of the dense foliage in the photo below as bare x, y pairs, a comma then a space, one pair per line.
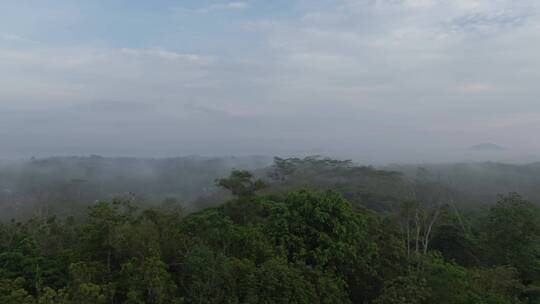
273, 243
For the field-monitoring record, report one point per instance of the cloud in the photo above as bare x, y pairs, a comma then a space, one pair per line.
15, 38
79, 74
488, 22
350, 75
475, 88
167, 55
421, 66
233, 5
228, 6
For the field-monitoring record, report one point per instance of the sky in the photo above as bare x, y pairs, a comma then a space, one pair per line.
373, 80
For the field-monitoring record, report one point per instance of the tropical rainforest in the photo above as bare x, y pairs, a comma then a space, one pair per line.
256, 230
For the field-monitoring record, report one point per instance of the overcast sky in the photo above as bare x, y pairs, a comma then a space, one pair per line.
376, 80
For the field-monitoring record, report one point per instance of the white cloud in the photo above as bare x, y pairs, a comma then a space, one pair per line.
163, 54
228, 6
377, 73
237, 5
72, 75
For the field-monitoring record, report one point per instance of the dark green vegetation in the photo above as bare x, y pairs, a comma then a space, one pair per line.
356, 235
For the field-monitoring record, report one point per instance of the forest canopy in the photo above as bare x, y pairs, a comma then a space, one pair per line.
292, 233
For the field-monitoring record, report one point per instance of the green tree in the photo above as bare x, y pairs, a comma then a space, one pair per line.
404, 290
13, 292
322, 231
511, 236
241, 184
147, 281
277, 282
101, 235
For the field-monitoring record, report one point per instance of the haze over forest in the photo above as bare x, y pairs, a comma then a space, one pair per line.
397, 81
269, 152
